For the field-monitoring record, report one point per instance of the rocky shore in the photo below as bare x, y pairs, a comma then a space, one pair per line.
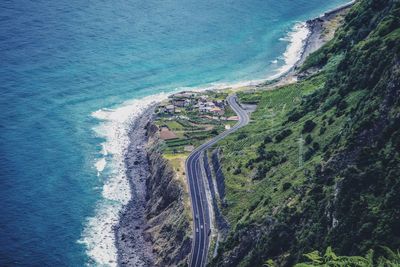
134, 246
153, 229
322, 30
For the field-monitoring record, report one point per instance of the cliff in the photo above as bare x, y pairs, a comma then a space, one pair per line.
154, 228
168, 221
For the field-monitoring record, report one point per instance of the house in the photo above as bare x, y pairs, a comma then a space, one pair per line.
204, 109
188, 102
220, 103
182, 102
217, 111
203, 98
179, 102
161, 108
170, 108
209, 104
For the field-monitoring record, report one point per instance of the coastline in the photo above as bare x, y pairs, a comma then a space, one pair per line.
133, 245
318, 35
321, 31
133, 241
141, 235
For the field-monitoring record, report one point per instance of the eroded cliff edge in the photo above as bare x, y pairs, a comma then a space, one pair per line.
154, 228
168, 221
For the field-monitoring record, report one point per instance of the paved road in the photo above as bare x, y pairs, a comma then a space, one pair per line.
196, 179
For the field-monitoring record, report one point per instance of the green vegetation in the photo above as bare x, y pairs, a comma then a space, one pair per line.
318, 166
315, 259
330, 259
190, 126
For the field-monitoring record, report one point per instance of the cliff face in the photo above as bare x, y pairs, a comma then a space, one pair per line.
154, 229
169, 228
134, 247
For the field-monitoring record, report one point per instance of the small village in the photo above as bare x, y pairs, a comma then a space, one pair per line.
187, 118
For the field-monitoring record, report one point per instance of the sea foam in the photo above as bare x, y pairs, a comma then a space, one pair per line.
114, 126
296, 40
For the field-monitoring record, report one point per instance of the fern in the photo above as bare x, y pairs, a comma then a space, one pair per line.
314, 257
330, 259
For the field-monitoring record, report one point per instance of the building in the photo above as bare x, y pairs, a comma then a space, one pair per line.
161, 108
209, 104
220, 103
182, 102
217, 111
204, 109
170, 108
179, 102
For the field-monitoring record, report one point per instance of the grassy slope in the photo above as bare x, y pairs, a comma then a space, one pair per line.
287, 197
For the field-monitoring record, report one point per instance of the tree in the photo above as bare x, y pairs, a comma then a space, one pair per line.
309, 125
308, 139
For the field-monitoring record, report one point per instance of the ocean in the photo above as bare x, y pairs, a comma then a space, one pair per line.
74, 74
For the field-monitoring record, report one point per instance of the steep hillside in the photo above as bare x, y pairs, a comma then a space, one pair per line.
167, 218
319, 165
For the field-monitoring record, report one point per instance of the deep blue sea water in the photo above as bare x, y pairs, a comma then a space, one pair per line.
67, 69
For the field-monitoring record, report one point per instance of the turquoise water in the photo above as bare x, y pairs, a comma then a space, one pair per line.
67, 69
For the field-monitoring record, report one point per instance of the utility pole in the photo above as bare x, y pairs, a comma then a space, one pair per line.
301, 145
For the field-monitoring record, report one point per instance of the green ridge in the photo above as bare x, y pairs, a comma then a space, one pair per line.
319, 164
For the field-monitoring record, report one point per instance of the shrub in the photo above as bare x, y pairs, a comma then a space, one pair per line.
271, 155
308, 139
214, 132
241, 136
309, 125
316, 146
342, 105
282, 135
260, 172
309, 153
237, 171
322, 130
267, 139
294, 115
286, 186
261, 153
249, 164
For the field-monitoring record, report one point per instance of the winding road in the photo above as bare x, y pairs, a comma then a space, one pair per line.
197, 189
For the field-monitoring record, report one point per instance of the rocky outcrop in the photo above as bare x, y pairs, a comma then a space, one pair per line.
154, 228
134, 247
